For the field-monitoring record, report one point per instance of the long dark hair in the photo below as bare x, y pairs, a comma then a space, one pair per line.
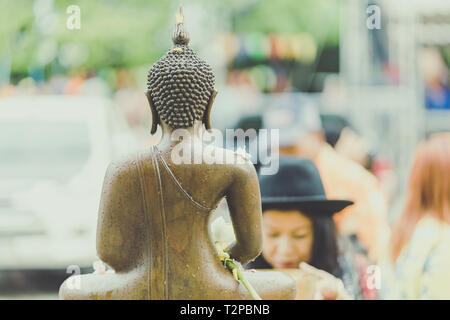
325, 250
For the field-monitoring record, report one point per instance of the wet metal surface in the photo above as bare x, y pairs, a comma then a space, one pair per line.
32, 284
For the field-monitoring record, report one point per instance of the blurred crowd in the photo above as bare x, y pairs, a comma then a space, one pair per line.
355, 242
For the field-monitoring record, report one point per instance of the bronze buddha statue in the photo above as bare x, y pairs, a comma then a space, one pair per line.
154, 214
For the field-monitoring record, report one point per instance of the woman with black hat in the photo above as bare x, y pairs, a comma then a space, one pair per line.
298, 228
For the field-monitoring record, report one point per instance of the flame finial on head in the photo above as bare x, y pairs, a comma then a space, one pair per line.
180, 16
180, 35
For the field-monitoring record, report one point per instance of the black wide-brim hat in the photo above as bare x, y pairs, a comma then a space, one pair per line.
298, 185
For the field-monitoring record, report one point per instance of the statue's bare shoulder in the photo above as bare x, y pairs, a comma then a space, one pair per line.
124, 170
121, 183
241, 165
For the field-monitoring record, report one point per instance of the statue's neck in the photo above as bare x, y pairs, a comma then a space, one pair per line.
171, 137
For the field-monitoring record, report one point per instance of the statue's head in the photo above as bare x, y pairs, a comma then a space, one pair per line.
180, 86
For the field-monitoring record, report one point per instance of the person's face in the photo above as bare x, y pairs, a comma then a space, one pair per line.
288, 238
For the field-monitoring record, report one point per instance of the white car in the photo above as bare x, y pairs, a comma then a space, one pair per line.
54, 151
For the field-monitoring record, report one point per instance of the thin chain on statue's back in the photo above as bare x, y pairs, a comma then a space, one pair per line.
177, 182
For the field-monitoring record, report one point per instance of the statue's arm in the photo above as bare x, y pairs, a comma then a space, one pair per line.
120, 227
244, 203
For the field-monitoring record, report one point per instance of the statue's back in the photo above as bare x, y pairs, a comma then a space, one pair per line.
179, 200
166, 252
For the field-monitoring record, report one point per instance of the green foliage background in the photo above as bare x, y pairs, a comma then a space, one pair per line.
123, 33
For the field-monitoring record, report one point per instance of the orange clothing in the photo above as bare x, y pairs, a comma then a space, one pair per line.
367, 218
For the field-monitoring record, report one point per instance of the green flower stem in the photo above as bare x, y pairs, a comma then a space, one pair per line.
232, 264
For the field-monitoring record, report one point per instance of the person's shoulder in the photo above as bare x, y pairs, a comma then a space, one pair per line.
428, 234
430, 226
348, 168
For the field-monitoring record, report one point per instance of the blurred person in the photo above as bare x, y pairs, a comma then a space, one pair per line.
94, 85
26, 86
419, 257
298, 228
7, 91
56, 84
341, 135
354, 147
301, 135
383, 169
75, 82
333, 124
436, 77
